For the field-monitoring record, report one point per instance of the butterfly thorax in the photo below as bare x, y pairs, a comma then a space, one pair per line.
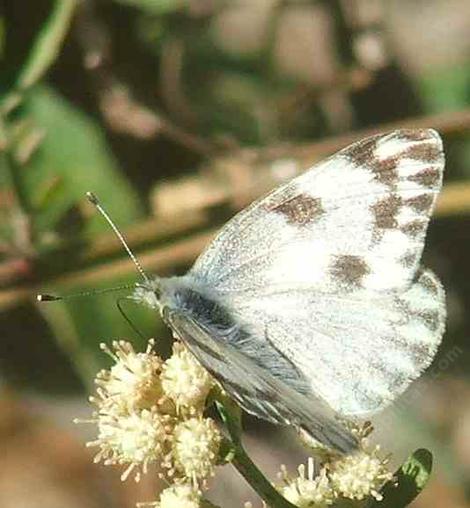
184, 294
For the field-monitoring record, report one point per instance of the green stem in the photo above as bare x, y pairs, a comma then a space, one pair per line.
248, 469
231, 416
20, 212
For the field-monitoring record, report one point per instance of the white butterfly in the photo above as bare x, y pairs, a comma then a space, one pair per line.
311, 304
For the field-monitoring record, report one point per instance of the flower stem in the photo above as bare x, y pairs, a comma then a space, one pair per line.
247, 468
231, 416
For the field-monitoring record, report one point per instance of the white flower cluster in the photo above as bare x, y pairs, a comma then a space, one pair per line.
150, 411
184, 381
354, 477
307, 490
180, 496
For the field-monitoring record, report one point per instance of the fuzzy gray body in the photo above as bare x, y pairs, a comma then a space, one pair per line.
312, 302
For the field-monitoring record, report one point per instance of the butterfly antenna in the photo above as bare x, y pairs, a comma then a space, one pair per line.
93, 199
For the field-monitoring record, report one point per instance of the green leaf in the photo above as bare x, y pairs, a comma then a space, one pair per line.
409, 481
73, 158
43, 53
62, 325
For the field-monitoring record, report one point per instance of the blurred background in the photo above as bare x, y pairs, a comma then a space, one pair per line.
178, 113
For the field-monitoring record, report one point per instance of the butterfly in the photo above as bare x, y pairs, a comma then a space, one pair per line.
310, 306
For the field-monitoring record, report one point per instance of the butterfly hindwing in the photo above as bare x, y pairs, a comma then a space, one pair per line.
357, 220
358, 353
256, 390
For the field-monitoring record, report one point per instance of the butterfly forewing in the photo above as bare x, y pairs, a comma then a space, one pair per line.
356, 220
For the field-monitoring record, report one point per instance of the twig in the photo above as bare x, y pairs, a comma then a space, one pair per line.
187, 139
171, 64
148, 231
454, 200
20, 210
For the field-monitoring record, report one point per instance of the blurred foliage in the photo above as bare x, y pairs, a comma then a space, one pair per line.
446, 89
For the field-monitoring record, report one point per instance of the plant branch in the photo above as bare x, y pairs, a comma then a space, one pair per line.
231, 416
248, 469
20, 211
454, 200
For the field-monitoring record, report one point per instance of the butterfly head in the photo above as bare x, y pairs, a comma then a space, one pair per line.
148, 293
